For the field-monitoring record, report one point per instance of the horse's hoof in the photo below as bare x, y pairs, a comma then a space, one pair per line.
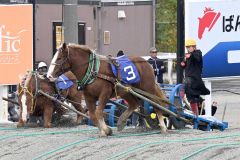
102, 134
163, 131
47, 126
109, 131
31, 125
19, 125
121, 126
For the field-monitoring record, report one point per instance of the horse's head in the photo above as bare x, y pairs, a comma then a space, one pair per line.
59, 63
28, 96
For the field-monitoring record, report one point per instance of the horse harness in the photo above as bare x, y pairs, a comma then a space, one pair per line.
33, 96
93, 72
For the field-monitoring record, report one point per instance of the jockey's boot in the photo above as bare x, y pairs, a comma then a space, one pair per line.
194, 107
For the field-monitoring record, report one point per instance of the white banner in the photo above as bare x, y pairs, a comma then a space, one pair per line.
215, 25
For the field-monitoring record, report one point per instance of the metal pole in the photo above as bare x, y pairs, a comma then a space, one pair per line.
208, 98
224, 112
154, 22
56, 100
34, 33
99, 28
70, 21
180, 39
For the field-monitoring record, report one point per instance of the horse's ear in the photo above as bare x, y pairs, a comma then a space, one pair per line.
64, 46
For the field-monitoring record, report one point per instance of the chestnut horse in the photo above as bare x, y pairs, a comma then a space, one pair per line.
76, 58
35, 104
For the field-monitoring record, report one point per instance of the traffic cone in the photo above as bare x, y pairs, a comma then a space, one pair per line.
194, 107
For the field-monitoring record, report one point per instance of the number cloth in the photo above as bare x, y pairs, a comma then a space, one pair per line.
63, 82
128, 71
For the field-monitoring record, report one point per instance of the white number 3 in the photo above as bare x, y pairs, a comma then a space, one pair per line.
130, 72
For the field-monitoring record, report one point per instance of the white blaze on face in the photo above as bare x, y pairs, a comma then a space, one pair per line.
52, 67
24, 107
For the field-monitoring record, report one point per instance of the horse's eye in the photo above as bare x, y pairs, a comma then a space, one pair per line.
58, 58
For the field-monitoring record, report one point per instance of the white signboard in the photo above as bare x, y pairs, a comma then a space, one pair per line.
215, 25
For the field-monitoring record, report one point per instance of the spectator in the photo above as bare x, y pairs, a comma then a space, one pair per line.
157, 65
194, 86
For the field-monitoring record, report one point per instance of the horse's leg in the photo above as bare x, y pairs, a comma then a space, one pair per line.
20, 121
79, 117
104, 129
47, 115
91, 105
159, 93
132, 105
163, 128
79, 108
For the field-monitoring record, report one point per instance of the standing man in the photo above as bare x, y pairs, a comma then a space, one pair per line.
157, 65
194, 86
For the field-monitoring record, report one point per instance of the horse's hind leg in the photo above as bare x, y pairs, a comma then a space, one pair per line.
132, 105
160, 94
163, 128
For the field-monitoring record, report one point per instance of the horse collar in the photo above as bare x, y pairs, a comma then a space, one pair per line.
92, 71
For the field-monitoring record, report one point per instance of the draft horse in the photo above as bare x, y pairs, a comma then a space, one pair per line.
32, 103
77, 58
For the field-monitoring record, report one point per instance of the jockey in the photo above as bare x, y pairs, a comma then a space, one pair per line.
42, 68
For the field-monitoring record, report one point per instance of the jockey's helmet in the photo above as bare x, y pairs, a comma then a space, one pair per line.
41, 65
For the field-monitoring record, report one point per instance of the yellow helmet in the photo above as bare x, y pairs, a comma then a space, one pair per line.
190, 42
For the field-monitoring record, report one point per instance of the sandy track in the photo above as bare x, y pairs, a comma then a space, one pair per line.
82, 142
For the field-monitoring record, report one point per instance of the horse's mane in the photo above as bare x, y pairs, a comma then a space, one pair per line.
88, 50
82, 47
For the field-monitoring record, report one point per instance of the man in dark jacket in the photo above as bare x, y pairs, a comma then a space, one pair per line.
157, 65
194, 86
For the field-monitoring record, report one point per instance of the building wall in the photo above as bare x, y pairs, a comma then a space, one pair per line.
46, 14
132, 34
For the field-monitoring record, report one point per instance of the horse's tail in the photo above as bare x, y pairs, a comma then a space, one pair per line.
161, 95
